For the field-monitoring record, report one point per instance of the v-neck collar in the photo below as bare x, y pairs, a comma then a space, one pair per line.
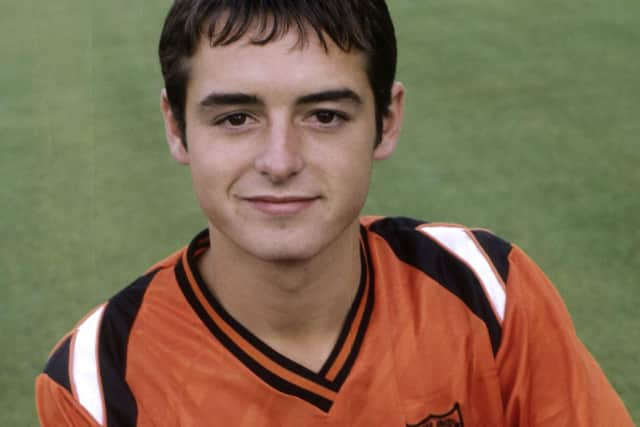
318, 388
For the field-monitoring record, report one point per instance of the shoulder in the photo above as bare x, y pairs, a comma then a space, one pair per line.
429, 245
469, 264
91, 357
495, 279
420, 239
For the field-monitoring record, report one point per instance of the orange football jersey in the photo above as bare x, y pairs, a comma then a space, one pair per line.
450, 327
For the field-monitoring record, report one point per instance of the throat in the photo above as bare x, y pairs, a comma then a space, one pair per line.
300, 313
304, 327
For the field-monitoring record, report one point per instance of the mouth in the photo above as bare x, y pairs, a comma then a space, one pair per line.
280, 205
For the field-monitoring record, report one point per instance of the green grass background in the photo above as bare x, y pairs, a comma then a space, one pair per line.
522, 116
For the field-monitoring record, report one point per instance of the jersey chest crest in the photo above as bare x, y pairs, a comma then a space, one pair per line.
452, 418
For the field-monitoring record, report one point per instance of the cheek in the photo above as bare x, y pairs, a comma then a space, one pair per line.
209, 175
351, 159
350, 174
213, 163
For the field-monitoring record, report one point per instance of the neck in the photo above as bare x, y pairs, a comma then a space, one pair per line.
296, 307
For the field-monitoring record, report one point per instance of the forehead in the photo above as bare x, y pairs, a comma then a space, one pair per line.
288, 65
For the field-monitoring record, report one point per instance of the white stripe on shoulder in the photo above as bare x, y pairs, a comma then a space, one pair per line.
85, 368
459, 242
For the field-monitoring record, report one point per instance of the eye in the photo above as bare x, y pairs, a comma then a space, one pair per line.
325, 117
328, 118
233, 120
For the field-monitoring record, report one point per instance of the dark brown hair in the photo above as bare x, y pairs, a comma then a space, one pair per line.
363, 25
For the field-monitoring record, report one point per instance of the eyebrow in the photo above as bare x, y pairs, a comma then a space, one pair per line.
239, 98
214, 99
330, 95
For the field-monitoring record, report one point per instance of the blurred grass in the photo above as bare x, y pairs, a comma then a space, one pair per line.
521, 117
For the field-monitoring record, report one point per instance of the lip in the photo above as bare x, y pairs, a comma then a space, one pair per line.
280, 205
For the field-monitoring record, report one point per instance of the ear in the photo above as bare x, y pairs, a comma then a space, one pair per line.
177, 149
391, 124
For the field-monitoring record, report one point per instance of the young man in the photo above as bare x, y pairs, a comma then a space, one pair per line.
289, 309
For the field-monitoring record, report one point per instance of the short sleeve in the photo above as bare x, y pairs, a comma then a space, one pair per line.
57, 407
547, 376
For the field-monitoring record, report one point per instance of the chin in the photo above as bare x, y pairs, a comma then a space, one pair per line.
286, 254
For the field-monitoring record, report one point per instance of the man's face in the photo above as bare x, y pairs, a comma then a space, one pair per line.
280, 144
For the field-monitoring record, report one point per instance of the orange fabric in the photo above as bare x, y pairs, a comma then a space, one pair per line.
57, 408
423, 353
546, 374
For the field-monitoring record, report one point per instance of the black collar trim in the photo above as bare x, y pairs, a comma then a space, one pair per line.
284, 374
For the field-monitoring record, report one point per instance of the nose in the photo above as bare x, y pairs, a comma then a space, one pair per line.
280, 157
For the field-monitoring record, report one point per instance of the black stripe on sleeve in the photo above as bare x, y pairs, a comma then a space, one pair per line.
57, 366
421, 252
119, 315
497, 249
